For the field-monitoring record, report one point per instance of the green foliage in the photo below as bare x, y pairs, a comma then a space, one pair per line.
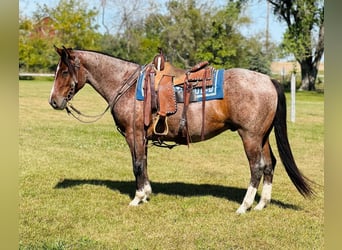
187, 32
304, 37
74, 23
184, 31
222, 45
70, 24
32, 47
301, 16
258, 58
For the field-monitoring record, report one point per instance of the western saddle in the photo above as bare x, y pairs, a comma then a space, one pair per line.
159, 93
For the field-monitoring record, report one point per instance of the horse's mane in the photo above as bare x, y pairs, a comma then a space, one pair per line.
105, 54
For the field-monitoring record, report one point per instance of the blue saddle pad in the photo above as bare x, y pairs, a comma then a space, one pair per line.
212, 92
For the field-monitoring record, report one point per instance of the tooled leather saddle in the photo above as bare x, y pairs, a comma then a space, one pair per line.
159, 93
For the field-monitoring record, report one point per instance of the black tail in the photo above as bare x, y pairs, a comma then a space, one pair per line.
298, 179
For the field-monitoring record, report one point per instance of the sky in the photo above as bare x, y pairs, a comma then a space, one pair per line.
257, 11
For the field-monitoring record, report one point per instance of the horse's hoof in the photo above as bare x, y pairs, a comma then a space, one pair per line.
241, 210
259, 207
145, 200
135, 202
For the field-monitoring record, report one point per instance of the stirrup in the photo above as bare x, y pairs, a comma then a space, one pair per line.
160, 126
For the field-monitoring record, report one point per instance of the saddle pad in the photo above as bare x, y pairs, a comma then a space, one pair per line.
212, 92
140, 86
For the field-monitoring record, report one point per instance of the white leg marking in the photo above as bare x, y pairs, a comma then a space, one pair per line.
141, 195
265, 196
248, 200
148, 191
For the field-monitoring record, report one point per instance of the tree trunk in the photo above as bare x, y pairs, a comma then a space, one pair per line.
310, 65
309, 74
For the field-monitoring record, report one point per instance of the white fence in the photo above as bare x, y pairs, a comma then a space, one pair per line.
35, 74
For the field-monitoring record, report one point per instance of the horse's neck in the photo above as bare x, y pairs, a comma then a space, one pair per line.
106, 74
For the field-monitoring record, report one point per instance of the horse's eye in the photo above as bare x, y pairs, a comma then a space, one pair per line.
65, 73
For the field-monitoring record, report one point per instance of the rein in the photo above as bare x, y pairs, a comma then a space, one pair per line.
71, 110
79, 114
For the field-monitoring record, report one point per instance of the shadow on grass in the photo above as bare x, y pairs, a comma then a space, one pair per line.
172, 188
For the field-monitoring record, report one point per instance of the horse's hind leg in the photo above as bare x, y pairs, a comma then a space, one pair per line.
253, 149
270, 162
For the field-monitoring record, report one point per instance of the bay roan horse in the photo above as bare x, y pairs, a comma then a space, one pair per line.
253, 104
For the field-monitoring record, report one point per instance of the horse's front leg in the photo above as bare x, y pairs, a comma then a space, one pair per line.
138, 147
143, 186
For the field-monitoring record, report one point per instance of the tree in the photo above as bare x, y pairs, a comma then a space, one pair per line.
192, 31
188, 31
70, 24
258, 56
304, 36
183, 32
223, 45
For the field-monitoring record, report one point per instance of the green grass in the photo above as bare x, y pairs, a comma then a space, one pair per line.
76, 181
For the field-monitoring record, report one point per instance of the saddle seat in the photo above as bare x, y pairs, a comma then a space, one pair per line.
195, 75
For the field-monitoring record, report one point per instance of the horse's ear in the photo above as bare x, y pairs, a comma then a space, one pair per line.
58, 50
67, 52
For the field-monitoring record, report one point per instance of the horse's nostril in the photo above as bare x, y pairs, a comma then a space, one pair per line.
53, 103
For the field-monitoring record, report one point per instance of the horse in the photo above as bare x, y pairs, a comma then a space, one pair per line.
253, 104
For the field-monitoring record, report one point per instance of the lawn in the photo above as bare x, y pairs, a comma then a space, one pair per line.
76, 180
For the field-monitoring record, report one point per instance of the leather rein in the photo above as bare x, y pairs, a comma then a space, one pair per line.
126, 85
71, 110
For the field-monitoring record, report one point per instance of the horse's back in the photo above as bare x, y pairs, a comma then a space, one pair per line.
251, 97
244, 79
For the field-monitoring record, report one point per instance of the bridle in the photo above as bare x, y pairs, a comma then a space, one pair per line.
125, 86
71, 110
71, 92
73, 69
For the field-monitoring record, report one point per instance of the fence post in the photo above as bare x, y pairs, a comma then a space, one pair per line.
293, 97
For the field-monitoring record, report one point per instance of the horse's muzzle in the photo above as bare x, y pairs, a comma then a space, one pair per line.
58, 103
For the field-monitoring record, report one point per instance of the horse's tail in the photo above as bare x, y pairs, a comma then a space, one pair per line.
298, 179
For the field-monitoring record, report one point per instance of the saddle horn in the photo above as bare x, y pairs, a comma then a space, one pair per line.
159, 61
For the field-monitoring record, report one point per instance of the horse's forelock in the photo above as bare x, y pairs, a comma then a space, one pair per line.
65, 58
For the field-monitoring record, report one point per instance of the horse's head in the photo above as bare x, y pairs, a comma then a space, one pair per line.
69, 78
